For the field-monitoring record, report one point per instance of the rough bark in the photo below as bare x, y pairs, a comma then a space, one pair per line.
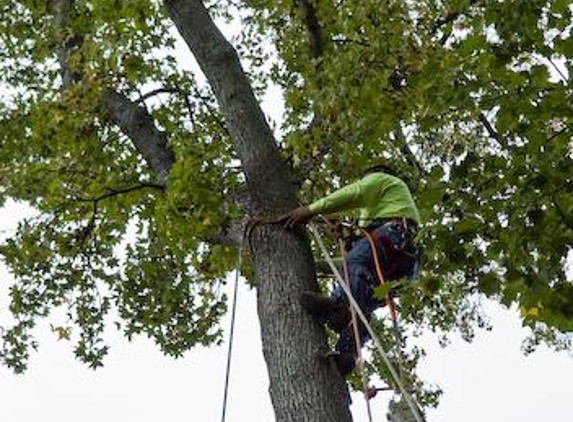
302, 386
138, 125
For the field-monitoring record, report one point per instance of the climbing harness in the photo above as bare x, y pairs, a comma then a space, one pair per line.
409, 399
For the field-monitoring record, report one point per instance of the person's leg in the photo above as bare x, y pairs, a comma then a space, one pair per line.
361, 281
361, 277
334, 311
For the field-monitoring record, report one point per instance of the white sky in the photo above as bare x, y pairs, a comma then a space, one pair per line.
488, 380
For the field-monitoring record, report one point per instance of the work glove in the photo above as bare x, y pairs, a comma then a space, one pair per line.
300, 215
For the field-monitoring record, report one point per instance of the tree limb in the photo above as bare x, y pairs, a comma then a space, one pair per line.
491, 131
111, 192
557, 134
62, 10
314, 30
133, 120
139, 126
344, 41
406, 151
254, 141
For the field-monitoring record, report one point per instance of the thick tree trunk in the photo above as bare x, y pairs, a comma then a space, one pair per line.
303, 388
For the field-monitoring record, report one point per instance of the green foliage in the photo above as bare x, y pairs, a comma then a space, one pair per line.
470, 100
89, 185
472, 89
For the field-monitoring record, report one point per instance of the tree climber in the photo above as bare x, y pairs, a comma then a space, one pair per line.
388, 213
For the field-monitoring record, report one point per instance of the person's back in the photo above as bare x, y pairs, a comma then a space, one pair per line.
377, 196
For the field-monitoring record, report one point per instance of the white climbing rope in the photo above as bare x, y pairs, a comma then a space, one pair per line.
411, 403
232, 332
354, 321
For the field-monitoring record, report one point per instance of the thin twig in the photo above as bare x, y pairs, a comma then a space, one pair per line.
557, 134
344, 41
159, 91
491, 131
565, 79
115, 192
407, 151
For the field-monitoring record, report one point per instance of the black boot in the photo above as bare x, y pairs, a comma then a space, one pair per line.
334, 314
345, 362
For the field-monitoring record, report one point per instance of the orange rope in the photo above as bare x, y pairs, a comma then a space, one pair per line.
389, 300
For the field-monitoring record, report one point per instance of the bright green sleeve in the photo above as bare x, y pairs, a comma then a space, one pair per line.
349, 197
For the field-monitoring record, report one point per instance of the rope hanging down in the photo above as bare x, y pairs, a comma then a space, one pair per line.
354, 322
232, 332
411, 403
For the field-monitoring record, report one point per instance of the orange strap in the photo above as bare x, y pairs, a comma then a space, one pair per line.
389, 300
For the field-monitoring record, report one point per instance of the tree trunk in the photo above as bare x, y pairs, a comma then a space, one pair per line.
303, 388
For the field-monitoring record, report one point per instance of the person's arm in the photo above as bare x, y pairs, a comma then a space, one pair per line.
346, 198
300, 215
349, 197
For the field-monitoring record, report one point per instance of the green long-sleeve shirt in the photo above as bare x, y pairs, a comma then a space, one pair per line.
376, 196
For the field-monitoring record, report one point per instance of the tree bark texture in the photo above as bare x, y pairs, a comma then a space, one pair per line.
303, 387
138, 125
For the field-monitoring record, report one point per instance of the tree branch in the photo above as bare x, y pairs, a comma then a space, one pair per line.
139, 126
491, 131
62, 10
133, 120
557, 134
406, 151
178, 91
314, 30
158, 91
254, 141
111, 192
344, 41
558, 70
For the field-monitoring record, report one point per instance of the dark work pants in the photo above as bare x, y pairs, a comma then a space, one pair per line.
397, 259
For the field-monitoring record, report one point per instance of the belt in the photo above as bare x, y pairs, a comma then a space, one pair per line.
407, 223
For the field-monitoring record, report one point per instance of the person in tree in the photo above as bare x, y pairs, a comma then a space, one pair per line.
388, 213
